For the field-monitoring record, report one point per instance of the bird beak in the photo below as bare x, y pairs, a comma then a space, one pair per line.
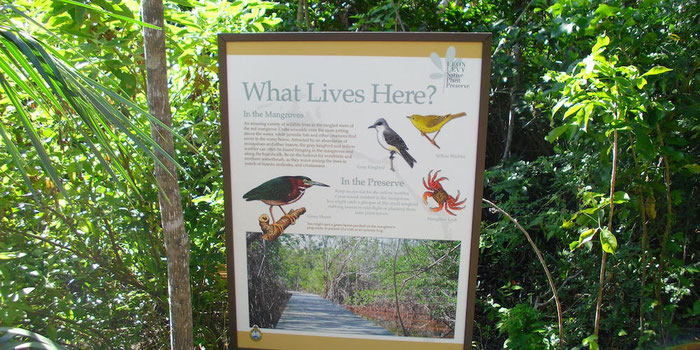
371, 127
316, 183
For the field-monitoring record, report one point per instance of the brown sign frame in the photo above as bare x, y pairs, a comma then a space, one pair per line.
482, 38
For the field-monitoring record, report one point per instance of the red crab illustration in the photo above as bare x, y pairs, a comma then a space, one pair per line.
439, 194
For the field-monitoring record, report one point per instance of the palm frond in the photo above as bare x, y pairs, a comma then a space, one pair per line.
33, 77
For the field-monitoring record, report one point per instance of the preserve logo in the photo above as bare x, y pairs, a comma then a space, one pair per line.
452, 71
255, 333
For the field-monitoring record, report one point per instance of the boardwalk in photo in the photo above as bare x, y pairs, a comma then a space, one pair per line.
311, 313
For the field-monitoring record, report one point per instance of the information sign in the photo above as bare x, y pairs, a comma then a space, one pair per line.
357, 146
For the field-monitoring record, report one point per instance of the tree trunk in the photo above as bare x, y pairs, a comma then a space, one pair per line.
177, 243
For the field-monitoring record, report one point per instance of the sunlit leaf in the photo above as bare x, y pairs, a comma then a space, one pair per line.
33, 137
558, 105
586, 235
573, 109
557, 132
18, 160
29, 340
567, 224
600, 44
11, 255
621, 197
604, 10
608, 241
657, 70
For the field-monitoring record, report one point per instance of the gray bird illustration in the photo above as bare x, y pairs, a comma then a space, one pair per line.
392, 142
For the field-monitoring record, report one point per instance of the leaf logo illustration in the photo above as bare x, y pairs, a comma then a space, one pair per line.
447, 70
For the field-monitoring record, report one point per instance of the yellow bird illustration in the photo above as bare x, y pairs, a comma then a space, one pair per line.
427, 124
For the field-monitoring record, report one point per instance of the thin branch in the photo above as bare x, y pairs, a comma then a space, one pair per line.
52, 243
542, 262
73, 326
397, 17
667, 229
124, 277
520, 17
118, 252
604, 258
425, 269
539, 305
642, 202
515, 24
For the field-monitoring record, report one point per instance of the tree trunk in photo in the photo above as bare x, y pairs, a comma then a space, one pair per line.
177, 243
396, 290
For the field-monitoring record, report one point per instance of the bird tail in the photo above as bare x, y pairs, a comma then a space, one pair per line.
407, 157
452, 116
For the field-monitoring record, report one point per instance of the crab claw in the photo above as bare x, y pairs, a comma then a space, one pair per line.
425, 197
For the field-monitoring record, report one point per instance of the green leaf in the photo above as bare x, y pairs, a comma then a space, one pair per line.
592, 342
605, 11
18, 160
111, 14
657, 70
37, 341
556, 9
11, 255
694, 168
138, 109
556, 132
620, 197
601, 43
38, 92
206, 198
643, 144
573, 109
559, 104
586, 235
641, 82
608, 241
33, 137
567, 224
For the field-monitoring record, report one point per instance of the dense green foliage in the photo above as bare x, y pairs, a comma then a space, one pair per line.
86, 268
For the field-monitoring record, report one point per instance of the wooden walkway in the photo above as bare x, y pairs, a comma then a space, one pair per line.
311, 313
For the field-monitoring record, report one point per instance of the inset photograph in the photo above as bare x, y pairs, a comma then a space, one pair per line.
353, 285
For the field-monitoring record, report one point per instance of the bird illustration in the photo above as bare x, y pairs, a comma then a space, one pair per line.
427, 124
392, 142
281, 191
